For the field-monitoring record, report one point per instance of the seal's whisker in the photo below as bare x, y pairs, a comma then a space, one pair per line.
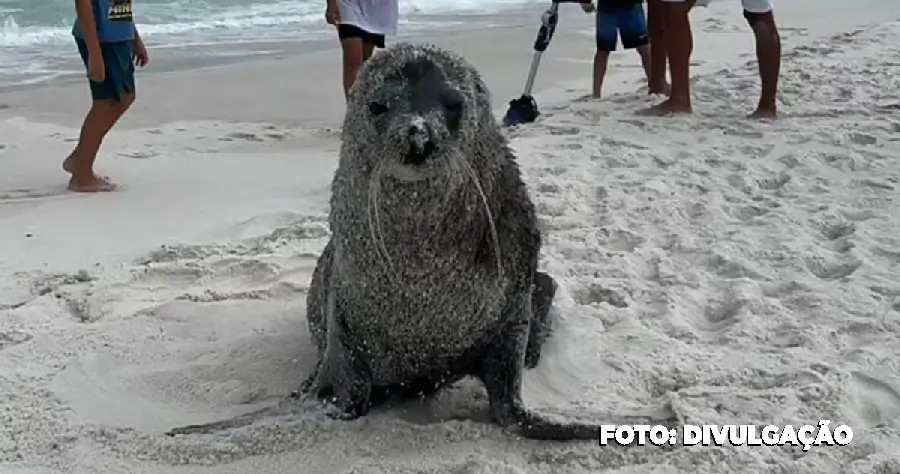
376, 205
374, 220
454, 178
487, 209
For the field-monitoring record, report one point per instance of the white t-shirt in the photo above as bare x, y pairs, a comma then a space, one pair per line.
374, 16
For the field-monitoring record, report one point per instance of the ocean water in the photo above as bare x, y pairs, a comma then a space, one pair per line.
35, 35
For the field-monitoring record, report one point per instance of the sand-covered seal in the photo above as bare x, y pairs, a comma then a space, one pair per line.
430, 274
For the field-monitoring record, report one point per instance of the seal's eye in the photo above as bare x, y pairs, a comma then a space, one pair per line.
377, 108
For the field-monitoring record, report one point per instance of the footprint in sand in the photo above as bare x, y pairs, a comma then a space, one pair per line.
21, 195
50, 283
728, 267
279, 290
864, 139
857, 215
562, 130
838, 230
721, 315
252, 137
140, 155
877, 184
549, 188
596, 294
874, 399
832, 270
774, 182
13, 338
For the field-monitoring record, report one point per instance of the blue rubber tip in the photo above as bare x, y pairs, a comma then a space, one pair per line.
513, 117
521, 110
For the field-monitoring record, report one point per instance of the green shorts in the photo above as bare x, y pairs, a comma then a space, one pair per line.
117, 58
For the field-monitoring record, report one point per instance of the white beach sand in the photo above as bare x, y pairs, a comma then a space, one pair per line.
736, 271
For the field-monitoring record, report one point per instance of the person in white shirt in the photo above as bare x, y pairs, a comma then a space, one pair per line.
361, 26
678, 42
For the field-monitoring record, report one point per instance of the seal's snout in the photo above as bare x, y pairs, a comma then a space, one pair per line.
421, 143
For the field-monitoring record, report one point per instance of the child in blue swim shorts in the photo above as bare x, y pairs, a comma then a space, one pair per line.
617, 19
110, 47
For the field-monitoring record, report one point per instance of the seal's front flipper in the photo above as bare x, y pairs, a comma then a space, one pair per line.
541, 299
342, 378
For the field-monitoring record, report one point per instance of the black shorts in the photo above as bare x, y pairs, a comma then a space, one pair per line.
752, 18
352, 31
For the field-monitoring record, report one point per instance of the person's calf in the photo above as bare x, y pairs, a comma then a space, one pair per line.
368, 51
658, 60
601, 61
679, 46
97, 123
654, 85
768, 54
125, 102
352, 60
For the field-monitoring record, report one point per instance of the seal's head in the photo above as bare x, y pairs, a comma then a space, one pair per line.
414, 111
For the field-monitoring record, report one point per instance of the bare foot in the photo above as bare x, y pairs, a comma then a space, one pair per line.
665, 109
765, 113
68, 168
96, 185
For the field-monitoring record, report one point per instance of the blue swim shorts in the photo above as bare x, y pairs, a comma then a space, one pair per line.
117, 57
629, 23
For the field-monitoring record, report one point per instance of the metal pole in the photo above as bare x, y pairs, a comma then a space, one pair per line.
545, 34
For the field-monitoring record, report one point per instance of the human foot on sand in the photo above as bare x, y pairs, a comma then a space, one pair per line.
95, 184
666, 108
765, 113
69, 168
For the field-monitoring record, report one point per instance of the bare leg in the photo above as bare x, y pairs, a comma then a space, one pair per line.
118, 109
656, 28
646, 63
768, 54
368, 49
601, 61
99, 120
679, 46
353, 59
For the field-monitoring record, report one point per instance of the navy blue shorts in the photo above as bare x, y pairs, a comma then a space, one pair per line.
630, 23
117, 57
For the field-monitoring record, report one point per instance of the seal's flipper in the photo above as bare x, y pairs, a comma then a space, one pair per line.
236, 422
500, 370
341, 378
316, 299
541, 325
534, 426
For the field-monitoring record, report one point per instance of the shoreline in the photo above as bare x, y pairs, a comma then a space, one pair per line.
565, 66
308, 72
190, 54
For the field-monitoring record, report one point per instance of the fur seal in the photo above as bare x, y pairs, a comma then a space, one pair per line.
430, 274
